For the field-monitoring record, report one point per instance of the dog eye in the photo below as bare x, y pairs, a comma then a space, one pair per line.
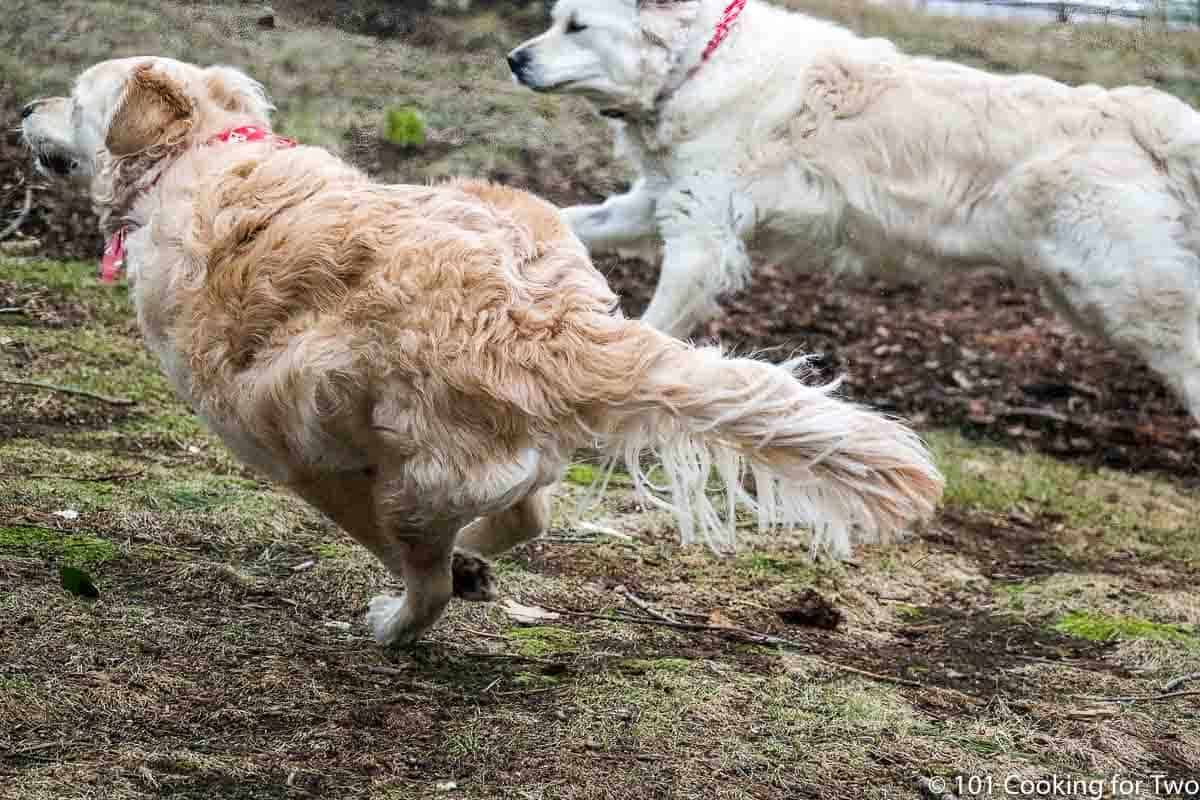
574, 27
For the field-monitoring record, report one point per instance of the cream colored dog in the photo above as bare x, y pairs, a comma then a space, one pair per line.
838, 151
419, 362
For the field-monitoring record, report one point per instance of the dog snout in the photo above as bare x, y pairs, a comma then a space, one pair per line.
518, 62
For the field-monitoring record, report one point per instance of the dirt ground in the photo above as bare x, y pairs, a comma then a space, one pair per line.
1043, 626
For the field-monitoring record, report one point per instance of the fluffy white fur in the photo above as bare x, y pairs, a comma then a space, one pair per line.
842, 152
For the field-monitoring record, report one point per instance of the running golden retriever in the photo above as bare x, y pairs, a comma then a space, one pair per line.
419, 362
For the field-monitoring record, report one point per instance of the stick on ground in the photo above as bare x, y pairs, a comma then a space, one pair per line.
1175, 683
1139, 698
16, 224
115, 476
46, 387
733, 634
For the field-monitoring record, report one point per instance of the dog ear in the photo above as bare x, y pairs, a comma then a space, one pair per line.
235, 91
153, 109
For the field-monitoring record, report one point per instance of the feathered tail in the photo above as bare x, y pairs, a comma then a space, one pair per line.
850, 473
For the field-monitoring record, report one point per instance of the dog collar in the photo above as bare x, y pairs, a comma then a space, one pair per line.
720, 32
728, 17
254, 133
113, 259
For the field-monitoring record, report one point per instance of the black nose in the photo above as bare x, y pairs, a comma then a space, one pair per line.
28, 109
518, 60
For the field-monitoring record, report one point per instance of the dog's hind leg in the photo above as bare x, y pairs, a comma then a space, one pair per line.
1117, 255
504, 530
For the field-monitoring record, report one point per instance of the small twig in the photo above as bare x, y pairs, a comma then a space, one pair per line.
483, 634
731, 633
112, 401
1040, 660
1139, 698
644, 606
387, 671
17, 246
16, 224
1027, 411
511, 657
116, 476
523, 692
625, 756
883, 598
1175, 683
12, 310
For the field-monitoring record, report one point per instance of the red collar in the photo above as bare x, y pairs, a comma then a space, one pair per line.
728, 17
113, 260
253, 133
723, 26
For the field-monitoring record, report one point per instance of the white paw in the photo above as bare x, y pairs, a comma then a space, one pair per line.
383, 617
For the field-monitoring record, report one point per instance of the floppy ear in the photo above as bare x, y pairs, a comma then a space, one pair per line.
233, 90
153, 109
663, 21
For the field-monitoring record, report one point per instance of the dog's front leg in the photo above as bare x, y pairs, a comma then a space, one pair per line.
620, 221
703, 255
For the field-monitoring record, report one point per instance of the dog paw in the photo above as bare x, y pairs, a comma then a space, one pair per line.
384, 620
473, 579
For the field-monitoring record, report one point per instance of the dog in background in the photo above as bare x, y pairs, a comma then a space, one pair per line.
419, 362
748, 122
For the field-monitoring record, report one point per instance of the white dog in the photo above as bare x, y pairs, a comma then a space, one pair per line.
758, 122
419, 362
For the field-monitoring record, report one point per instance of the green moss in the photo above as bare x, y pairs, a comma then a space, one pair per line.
15, 682
581, 474
334, 550
776, 565
542, 640
405, 127
589, 474
44, 542
1101, 628
998, 480
534, 680
1015, 592
908, 612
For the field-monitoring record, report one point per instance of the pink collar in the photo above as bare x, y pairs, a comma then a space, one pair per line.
728, 17
723, 26
113, 259
253, 133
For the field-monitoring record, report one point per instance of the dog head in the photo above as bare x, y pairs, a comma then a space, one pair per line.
617, 53
133, 107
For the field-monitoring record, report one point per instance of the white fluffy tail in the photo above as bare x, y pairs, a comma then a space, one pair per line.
850, 473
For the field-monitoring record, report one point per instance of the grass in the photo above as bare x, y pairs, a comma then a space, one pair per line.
541, 640
227, 655
1100, 628
1109, 510
30, 542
